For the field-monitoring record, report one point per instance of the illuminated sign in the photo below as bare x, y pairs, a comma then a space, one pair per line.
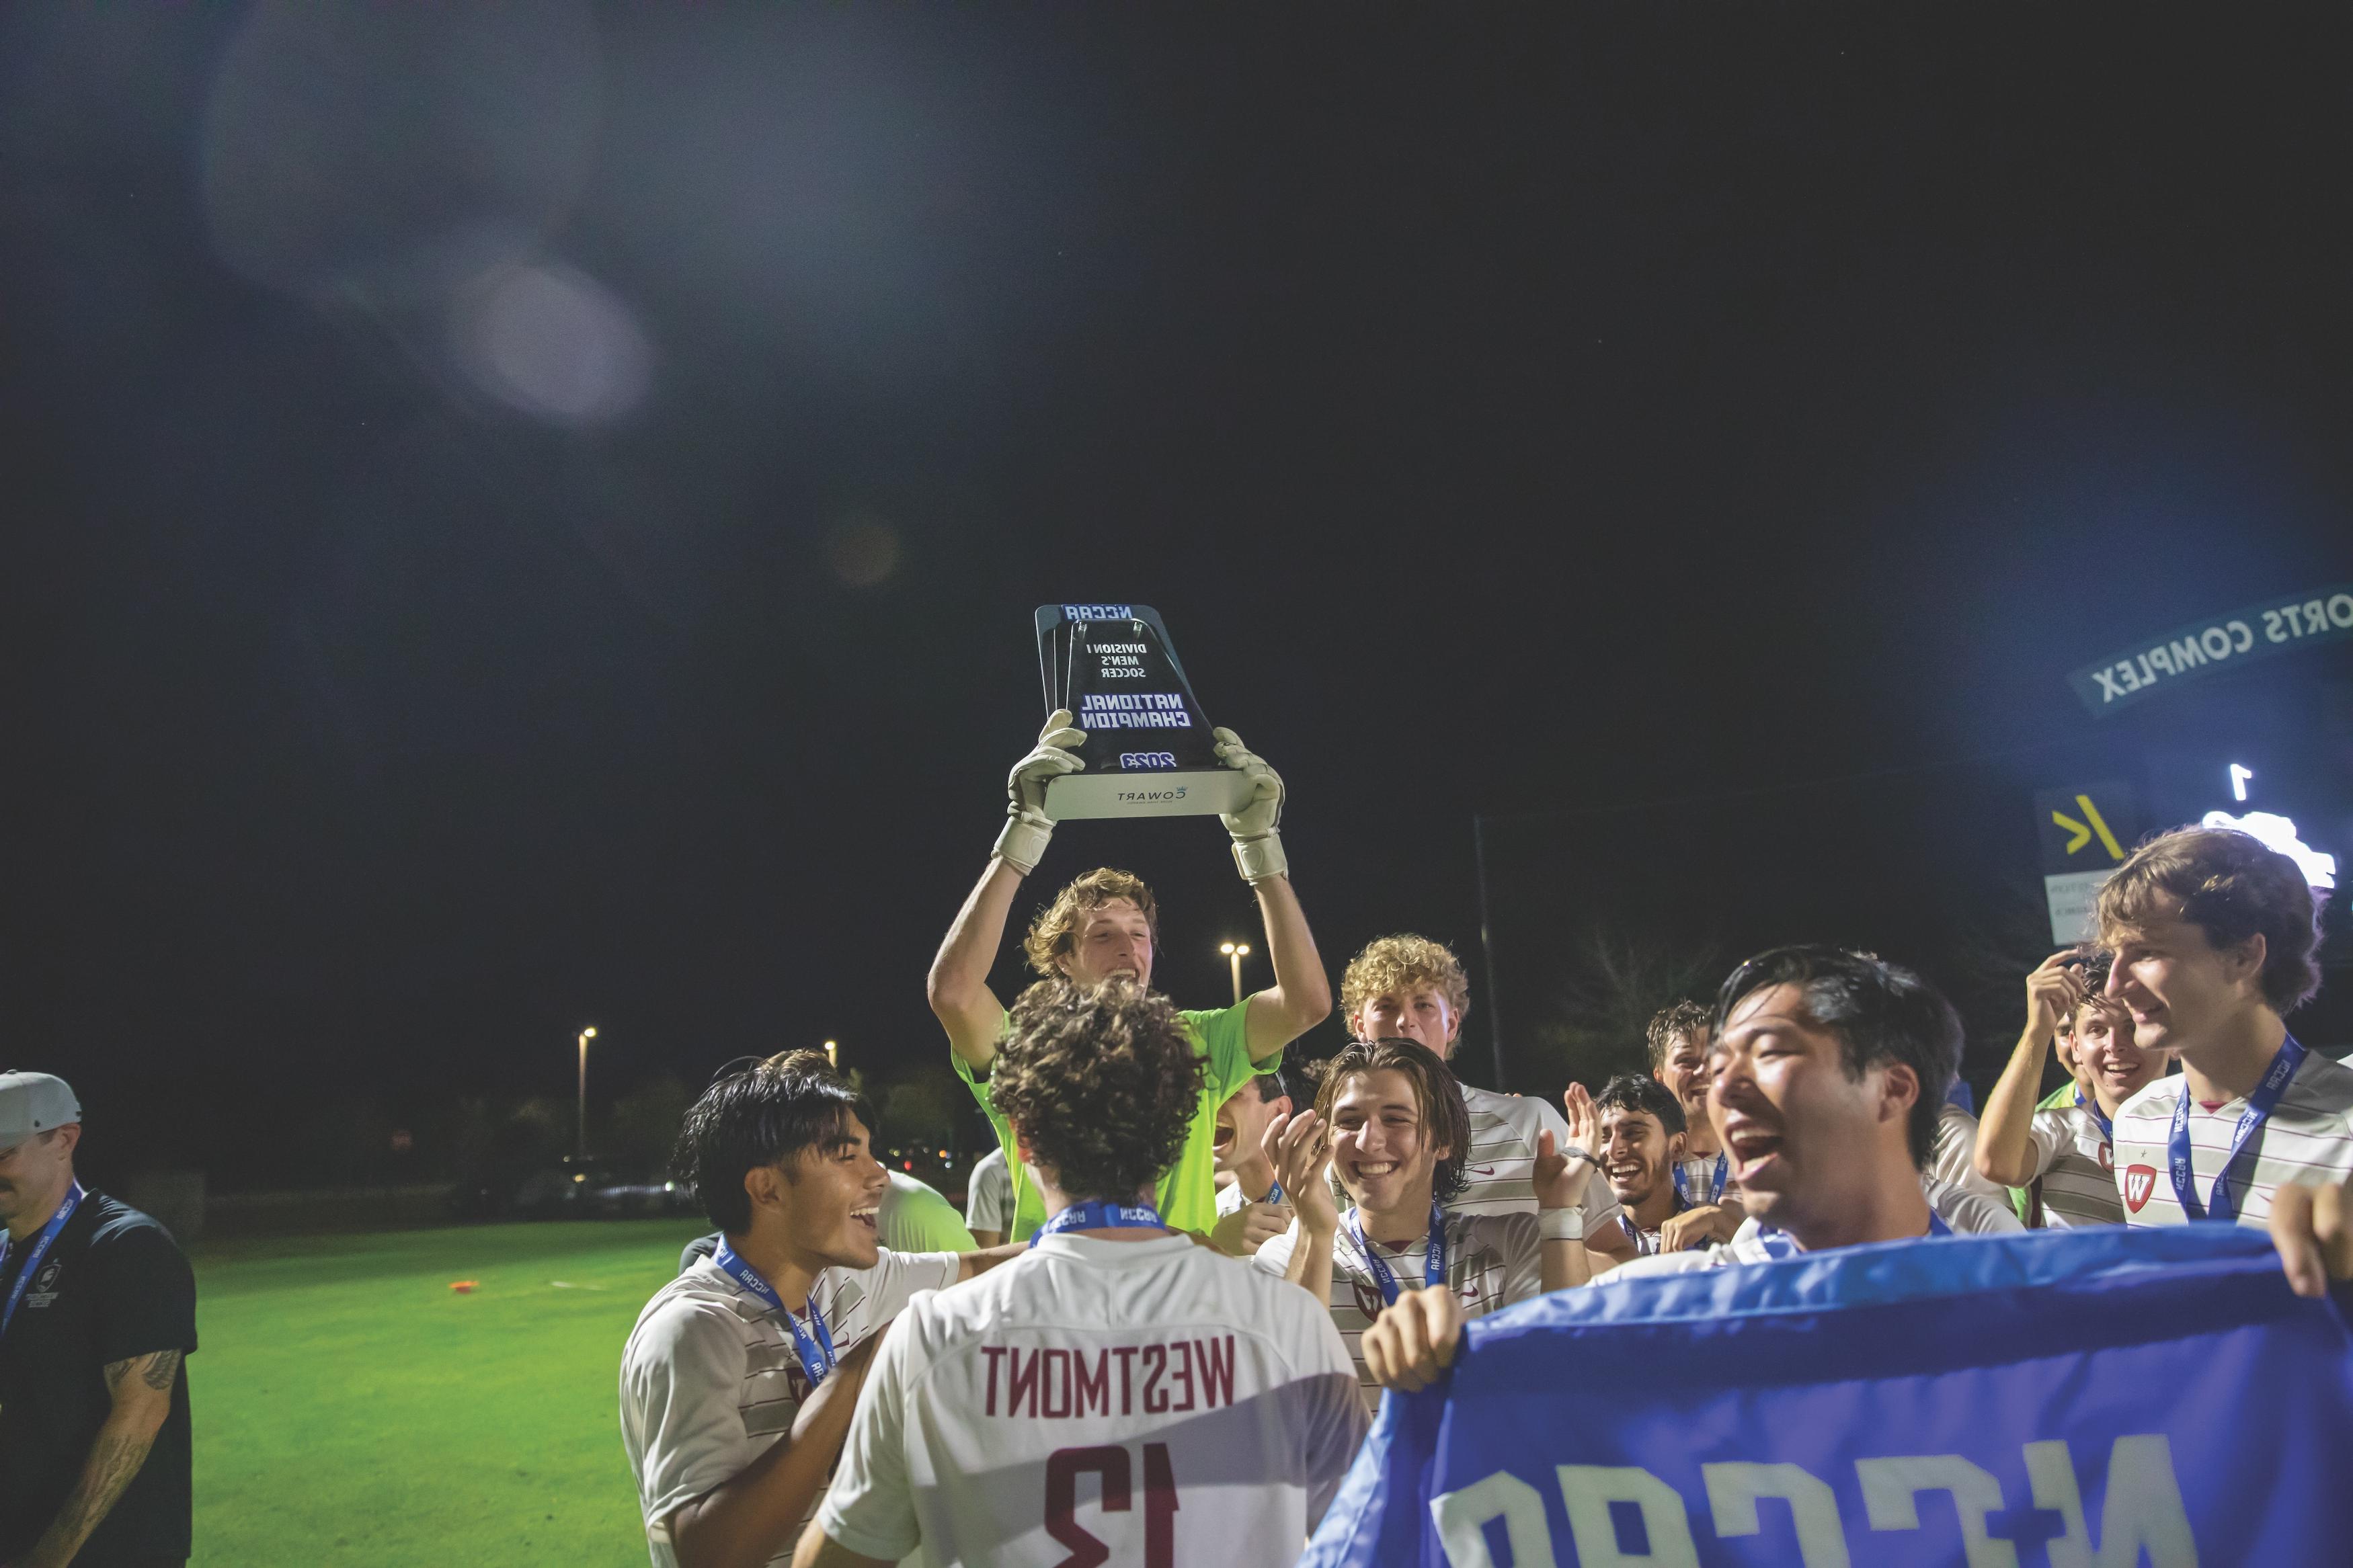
2278, 625
2083, 832
2279, 833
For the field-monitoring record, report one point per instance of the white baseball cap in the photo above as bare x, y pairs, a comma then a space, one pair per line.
32, 1103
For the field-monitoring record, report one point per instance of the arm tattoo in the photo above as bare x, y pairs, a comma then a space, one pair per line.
113, 1460
156, 1370
115, 1457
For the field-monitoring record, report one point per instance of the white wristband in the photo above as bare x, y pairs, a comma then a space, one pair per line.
1560, 1224
1021, 844
1260, 857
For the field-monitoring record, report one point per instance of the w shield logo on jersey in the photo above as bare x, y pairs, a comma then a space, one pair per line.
2108, 1157
2139, 1182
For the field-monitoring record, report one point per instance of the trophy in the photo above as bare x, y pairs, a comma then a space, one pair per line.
1149, 752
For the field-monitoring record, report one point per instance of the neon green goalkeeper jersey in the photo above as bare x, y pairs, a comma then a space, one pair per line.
1188, 1190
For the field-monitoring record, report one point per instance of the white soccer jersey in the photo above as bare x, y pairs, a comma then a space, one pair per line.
1499, 1170
988, 1203
1966, 1213
710, 1377
1491, 1262
1952, 1157
2077, 1165
2308, 1139
1133, 1401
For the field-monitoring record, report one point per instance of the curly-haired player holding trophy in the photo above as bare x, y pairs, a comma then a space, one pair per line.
1106, 924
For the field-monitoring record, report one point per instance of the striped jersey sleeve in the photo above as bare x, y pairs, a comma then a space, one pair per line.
1499, 1170
2077, 1167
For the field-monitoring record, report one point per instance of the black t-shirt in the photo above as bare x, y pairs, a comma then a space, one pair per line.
112, 1287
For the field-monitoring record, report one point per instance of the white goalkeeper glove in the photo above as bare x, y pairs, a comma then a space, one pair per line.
1258, 844
1027, 828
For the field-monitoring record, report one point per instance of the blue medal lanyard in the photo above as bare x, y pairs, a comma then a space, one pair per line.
41, 1246
1647, 1244
811, 1341
2107, 1128
1433, 1271
1715, 1190
2259, 1106
1100, 1214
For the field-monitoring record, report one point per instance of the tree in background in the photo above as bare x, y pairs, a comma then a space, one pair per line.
1613, 984
919, 1107
643, 1124
1999, 941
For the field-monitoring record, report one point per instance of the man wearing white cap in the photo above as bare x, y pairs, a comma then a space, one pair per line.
98, 1309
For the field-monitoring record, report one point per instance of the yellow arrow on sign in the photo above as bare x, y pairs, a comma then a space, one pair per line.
2081, 835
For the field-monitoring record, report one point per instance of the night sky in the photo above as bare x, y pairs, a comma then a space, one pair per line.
527, 518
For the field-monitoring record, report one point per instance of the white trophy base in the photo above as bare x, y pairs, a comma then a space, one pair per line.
1196, 791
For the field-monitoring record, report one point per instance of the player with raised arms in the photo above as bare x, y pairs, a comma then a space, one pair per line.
1119, 1393
2064, 1155
1826, 1069
1396, 1128
737, 1381
1410, 988
1105, 925
2214, 938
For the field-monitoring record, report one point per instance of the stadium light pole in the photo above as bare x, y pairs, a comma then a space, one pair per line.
586, 1035
1487, 946
1235, 951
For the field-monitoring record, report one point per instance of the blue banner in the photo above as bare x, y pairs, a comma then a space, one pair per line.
2095, 1398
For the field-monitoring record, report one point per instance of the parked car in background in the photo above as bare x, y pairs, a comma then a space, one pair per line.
637, 1193
593, 1188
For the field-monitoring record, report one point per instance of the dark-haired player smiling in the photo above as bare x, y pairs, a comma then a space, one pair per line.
1397, 1127
738, 1381
1827, 1069
1641, 1131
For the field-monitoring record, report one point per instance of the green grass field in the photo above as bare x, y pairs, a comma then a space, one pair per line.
351, 1408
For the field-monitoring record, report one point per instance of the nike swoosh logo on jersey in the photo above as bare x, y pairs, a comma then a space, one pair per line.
1483, 1170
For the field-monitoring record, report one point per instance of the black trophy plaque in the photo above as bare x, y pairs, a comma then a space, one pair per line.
1149, 752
